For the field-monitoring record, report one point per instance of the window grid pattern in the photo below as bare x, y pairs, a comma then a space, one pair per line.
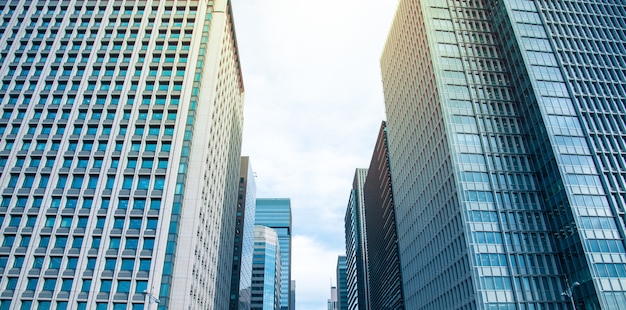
585, 119
276, 213
356, 252
432, 248
92, 101
508, 232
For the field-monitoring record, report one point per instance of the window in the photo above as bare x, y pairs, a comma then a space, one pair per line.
148, 243
55, 263
152, 224
25, 241
135, 223
131, 243
44, 241
49, 284
110, 264
77, 242
128, 182
66, 221
86, 287
8, 240
38, 262
18, 262
66, 285
95, 243
11, 284
72, 262
105, 287
115, 243
144, 182
155, 204
31, 284
60, 242
123, 286
144, 264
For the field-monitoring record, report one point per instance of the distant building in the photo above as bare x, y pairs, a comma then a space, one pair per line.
506, 132
342, 284
276, 213
356, 251
244, 238
292, 297
120, 144
266, 270
385, 280
332, 302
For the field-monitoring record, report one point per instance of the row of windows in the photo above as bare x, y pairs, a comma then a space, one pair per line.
61, 242
85, 202
81, 222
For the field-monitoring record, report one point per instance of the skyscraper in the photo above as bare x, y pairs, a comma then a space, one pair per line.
356, 250
332, 301
276, 213
244, 238
506, 144
292, 295
342, 284
120, 138
266, 269
383, 262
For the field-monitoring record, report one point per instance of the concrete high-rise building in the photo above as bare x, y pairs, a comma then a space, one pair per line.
356, 250
383, 262
244, 238
506, 144
342, 284
276, 213
120, 138
266, 269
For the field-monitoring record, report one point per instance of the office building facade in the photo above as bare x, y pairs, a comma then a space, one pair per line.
342, 283
120, 138
292, 295
244, 238
266, 269
383, 262
276, 213
506, 130
356, 250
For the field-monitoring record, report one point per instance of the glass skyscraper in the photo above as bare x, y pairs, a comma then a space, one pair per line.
506, 126
120, 138
266, 270
342, 283
276, 213
356, 248
244, 238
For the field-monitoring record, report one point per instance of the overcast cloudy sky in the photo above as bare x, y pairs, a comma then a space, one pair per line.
313, 108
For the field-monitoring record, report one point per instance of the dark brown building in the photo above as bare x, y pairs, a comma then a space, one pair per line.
380, 221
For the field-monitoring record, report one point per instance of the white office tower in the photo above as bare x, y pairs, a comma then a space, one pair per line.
120, 139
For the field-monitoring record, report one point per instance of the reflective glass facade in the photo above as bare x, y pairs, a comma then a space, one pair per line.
506, 130
107, 190
356, 250
342, 284
244, 238
266, 270
276, 213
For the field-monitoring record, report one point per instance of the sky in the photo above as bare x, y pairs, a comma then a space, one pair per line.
313, 108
